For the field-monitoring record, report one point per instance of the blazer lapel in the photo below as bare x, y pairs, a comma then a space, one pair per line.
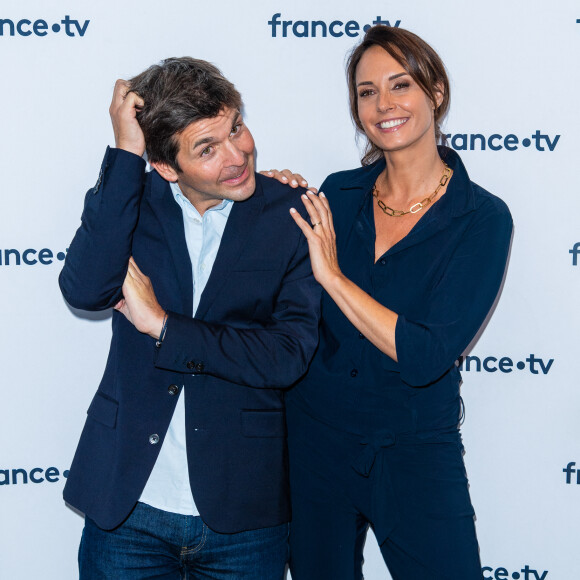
170, 218
241, 223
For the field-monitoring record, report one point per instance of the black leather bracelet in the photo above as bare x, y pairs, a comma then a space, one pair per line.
163, 331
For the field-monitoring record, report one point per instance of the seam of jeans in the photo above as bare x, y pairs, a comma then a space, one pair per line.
188, 551
185, 534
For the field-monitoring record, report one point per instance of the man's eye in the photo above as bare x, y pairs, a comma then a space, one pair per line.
236, 128
207, 151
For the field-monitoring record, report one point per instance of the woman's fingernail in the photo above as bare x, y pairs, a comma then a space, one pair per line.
284, 178
292, 210
321, 194
294, 182
304, 182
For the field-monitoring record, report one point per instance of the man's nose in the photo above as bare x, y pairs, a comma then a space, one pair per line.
235, 156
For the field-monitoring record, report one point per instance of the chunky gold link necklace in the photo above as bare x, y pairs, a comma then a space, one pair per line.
447, 173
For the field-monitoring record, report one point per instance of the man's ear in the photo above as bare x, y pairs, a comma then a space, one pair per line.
165, 170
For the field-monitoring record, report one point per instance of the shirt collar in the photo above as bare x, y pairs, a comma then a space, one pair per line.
224, 206
459, 198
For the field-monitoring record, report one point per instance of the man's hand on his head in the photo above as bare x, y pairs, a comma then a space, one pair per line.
123, 111
139, 304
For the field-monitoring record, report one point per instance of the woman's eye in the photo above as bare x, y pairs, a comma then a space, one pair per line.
365, 93
403, 85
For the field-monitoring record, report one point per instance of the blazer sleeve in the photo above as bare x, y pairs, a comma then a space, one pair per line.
460, 302
98, 257
272, 356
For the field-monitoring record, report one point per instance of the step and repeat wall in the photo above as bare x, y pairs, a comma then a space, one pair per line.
514, 120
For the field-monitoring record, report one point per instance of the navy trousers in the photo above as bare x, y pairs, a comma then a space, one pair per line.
412, 491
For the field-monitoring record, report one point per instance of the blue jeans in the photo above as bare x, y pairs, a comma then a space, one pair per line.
153, 543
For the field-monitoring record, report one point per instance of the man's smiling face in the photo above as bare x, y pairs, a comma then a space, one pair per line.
216, 161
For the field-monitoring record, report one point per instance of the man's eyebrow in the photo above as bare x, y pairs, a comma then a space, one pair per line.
203, 141
237, 119
207, 140
391, 78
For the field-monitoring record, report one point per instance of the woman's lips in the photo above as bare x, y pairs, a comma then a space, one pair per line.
391, 124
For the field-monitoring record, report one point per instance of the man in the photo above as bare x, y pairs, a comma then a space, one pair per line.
181, 466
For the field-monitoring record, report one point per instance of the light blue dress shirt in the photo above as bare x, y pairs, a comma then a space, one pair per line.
168, 486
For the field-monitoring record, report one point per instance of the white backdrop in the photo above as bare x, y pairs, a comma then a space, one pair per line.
515, 82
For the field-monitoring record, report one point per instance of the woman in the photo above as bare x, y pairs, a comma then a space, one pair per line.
409, 277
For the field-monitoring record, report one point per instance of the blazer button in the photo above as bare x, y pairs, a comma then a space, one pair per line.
173, 389
199, 367
191, 365
154, 439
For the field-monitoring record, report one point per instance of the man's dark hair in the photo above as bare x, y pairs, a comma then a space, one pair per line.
178, 92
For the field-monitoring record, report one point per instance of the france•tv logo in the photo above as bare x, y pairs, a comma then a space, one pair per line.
30, 257
575, 251
501, 573
497, 142
505, 364
21, 476
569, 470
322, 28
40, 27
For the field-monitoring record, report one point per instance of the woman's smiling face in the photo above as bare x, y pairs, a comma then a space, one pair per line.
393, 109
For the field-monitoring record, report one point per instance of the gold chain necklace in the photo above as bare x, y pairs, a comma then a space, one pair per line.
447, 173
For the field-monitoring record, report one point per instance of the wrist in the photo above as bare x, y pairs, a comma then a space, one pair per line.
130, 148
159, 327
333, 281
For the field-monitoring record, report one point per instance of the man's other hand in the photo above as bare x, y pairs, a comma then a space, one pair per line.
139, 304
123, 111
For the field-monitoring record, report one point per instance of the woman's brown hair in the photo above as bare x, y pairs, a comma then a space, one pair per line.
417, 58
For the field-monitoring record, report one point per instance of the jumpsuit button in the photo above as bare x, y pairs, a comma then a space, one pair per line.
190, 365
382, 261
361, 335
173, 389
354, 373
154, 439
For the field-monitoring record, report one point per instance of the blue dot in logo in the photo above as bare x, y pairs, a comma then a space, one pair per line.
516, 575
65, 473
60, 256
526, 142
56, 27
521, 365
366, 27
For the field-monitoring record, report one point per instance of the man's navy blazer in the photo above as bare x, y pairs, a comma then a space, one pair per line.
253, 335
